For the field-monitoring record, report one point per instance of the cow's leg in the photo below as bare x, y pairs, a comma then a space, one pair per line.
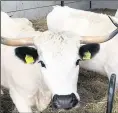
20, 102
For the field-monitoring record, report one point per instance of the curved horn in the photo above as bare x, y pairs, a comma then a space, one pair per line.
17, 42
113, 21
100, 39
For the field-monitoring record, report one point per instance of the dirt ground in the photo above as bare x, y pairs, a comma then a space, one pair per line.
92, 86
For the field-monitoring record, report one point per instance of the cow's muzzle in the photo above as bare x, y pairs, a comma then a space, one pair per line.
64, 101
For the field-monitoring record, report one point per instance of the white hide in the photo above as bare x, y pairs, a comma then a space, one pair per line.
62, 15
116, 15
14, 26
59, 53
78, 21
64, 18
25, 82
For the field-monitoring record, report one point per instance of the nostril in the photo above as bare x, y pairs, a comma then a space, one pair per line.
55, 102
73, 96
54, 105
74, 100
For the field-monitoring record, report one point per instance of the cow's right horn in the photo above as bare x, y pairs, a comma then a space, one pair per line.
100, 39
17, 42
113, 21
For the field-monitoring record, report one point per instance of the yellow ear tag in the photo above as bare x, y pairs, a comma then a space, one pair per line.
29, 59
87, 56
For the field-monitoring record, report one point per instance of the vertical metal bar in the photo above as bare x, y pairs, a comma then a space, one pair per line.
90, 4
62, 3
111, 91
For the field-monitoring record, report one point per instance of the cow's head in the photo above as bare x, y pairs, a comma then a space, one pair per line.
59, 56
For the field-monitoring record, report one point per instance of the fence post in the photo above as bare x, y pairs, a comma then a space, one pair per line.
90, 4
62, 3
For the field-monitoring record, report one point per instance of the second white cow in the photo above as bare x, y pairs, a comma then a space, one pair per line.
24, 81
88, 24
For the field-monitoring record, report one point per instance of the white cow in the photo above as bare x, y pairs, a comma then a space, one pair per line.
88, 23
55, 64
116, 15
79, 21
24, 84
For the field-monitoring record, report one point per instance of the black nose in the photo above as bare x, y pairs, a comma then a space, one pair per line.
64, 101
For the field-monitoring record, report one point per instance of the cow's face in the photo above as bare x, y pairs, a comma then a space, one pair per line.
58, 59
59, 63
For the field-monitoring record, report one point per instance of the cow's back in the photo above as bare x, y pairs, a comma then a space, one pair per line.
78, 21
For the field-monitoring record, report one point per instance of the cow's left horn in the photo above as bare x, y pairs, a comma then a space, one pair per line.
17, 42
100, 39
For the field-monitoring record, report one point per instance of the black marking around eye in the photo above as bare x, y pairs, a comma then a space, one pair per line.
42, 64
77, 62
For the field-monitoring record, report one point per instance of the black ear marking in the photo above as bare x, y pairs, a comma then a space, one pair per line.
93, 48
21, 53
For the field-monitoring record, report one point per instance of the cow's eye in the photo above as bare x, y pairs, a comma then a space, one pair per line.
77, 62
42, 64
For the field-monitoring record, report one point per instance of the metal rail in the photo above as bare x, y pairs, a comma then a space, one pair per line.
90, 4
111, 92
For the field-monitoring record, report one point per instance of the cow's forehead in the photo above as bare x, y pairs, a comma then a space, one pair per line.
56, 46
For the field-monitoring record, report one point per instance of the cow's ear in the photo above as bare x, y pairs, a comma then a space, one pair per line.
28, 55
88, 51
